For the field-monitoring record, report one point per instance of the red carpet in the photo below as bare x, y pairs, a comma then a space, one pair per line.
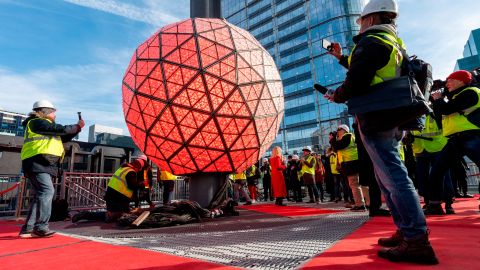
455, 238
288, 211
61, 252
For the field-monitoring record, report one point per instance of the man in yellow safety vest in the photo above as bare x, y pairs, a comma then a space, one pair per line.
119, 194
41, 155
461, 125
167, 180
377, 57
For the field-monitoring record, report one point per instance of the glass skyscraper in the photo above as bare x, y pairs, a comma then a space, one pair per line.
292, 31
471, 57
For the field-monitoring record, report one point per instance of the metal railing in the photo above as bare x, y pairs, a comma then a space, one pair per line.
473, 178
83, 191
9, 189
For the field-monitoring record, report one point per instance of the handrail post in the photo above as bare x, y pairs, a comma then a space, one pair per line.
20, 194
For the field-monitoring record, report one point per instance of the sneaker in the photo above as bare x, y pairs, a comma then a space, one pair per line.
358, 208
416, 250
466, 195
25, 234
434, 209
42, 234
391, 241
248, 203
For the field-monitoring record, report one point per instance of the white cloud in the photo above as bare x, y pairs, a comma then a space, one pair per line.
95, 90
154, 13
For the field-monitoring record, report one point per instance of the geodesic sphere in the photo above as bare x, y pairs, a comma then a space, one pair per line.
202, 95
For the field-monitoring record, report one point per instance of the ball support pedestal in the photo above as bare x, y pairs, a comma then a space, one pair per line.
203, 186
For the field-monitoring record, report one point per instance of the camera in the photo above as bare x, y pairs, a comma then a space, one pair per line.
439, 86
476, 76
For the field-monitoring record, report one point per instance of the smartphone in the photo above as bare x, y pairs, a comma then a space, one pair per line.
79, 115
327, 45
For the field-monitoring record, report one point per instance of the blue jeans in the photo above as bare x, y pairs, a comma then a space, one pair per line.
393, 180
457, 147
41, 205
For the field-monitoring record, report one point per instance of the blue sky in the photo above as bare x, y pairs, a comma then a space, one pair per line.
75, 52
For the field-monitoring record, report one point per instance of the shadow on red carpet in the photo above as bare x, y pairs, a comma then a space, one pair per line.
455, 238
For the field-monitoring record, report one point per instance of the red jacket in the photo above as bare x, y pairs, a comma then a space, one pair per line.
278, 182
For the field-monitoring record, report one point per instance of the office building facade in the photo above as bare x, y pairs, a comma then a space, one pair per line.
292, 32
95, 130
11, 123
471, 57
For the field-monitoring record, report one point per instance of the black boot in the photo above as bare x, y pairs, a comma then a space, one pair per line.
391, 241
449, 209
417, 250
433, 209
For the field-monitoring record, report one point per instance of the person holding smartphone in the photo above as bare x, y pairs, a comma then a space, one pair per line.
377, 57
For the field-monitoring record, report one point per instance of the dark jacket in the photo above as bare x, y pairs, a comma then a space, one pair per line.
343, 143
44, 163
370, 55
461, 102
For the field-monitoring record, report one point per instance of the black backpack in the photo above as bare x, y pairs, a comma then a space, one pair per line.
423, 74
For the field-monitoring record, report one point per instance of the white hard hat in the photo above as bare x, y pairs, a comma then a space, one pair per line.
265, 159
43, 104
375, 6
142, 157
295, 157
344, 127
308, 148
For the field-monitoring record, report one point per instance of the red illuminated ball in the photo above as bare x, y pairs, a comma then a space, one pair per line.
202, 95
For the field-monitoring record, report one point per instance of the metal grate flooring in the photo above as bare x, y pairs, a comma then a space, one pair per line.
252, 240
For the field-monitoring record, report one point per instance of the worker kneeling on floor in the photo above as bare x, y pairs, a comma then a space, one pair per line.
119, 193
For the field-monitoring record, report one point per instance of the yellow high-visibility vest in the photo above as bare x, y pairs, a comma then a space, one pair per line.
349, 153
431, 131
456, 122
306, 169
240, 176
333, 163
36, 144
118, 181
393, 68
164, 175
252, 171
